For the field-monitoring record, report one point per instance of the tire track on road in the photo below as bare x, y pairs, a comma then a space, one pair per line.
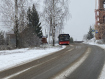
73, 67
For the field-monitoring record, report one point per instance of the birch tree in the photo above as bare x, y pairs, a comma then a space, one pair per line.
55, 13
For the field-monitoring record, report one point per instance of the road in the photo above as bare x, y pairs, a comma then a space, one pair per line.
55, 64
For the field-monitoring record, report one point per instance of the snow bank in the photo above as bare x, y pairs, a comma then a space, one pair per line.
11, 58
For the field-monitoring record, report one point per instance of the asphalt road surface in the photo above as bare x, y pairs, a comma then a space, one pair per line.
91, 67
51, 66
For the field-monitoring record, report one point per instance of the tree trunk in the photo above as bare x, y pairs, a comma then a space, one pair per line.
16, 24
53, 24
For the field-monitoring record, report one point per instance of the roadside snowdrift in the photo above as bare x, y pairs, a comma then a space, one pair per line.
11, 58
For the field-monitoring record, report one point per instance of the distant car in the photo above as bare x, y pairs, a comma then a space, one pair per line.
64, 39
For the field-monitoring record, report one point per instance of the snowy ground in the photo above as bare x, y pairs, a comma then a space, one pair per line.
93, 42
11, 58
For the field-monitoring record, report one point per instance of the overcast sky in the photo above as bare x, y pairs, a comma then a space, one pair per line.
82, 16
82, 12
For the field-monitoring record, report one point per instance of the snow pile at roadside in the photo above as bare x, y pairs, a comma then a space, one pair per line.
95, 42
10, 58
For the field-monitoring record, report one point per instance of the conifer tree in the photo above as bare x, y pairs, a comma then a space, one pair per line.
90, 34
35, 17
39, 31
33, 20
29, 16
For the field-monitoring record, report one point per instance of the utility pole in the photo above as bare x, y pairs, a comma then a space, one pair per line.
16, 24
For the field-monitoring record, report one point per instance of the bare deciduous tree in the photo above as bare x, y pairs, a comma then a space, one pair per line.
8, 12
11, 15
15, 16
55, 12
